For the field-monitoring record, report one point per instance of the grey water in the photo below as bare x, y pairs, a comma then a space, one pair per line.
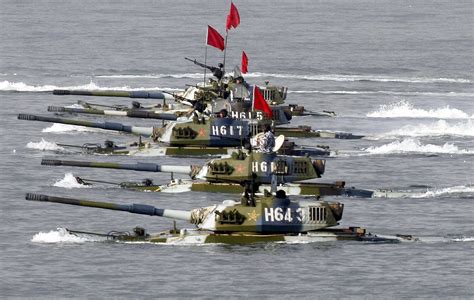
399, 72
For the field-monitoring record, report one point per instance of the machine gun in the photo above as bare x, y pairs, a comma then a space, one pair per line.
181, 99
216, 71
197, 104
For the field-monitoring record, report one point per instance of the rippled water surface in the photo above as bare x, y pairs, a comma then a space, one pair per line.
399, 72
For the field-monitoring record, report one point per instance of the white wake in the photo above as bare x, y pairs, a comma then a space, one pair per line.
411, 145
396, 93
454, 190
23, 87
405, 109
44, 145
311, 77
60, 128
69, 182
355, 77
435, 129
61, 235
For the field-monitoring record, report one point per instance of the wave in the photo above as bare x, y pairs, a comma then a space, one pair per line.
452, 192
351, 78
439, 239
405, 109
23, 87
44, 145
58, 128
448, 191
69, 182
415, 146
61, 235
463, 239
315, 77
443, 94
156, 76
341, 92
439, 128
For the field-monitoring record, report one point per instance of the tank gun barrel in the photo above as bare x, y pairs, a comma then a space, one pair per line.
145, 167
145, 131
112, 93
133, 113
141, 209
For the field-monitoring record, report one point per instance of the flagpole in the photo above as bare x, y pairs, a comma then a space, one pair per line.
225, 43
205, 56
225, 50
253, 98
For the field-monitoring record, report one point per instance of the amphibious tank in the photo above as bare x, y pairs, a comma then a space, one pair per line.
270, 218
241, 167
230, 175
213, 131
198, 136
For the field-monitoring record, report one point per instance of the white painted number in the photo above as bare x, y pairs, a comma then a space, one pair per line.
278, 214
247, 115
226, 130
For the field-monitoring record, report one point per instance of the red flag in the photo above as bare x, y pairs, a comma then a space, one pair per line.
245, 62
233, 18
214, 38
259, 103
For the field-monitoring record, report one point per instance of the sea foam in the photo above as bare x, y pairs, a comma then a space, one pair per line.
355, 77
61, 235
464, 239
435, 129
24, 87
44, 145
447, 191
154, 76
310, 77
405, 109
59, 128
69, 182
396, 93
415, 146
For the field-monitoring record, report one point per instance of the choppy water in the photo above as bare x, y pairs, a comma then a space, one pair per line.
400, 72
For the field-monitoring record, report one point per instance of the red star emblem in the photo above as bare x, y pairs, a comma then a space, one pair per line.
202, 132
240, 168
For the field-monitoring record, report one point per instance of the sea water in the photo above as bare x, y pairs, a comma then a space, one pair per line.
398, 72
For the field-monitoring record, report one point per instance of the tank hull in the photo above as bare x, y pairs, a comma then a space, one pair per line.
199, 237
291, 189
307, 132
150, 149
